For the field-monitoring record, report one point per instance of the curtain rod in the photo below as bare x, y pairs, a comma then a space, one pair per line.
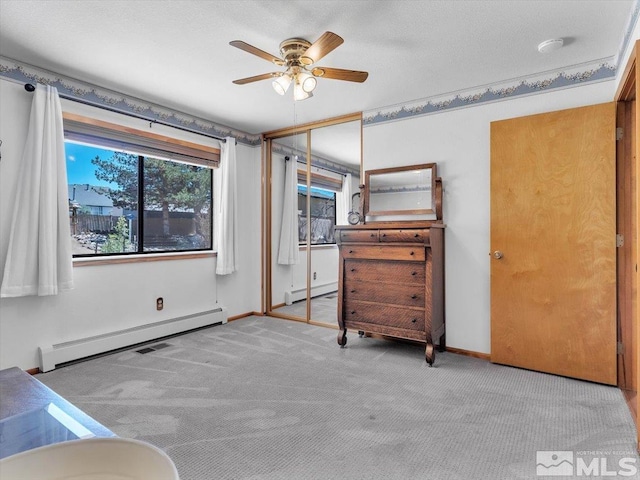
286, 159
30, 88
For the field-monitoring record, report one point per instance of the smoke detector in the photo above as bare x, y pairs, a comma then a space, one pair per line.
550, 45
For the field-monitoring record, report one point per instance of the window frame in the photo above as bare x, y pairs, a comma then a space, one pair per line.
115, 137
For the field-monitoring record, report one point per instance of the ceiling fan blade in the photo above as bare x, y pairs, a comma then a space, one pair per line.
328, 42
257, 78
256, 51
340, 74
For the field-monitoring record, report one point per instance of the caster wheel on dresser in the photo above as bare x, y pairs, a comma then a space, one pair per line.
360, 333
430, 354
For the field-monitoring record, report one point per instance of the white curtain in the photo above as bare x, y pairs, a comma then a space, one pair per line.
226, 209
288, 251
343, 201
39, 259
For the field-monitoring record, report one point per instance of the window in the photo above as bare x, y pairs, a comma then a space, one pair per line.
130, 195
323, 205
323, 215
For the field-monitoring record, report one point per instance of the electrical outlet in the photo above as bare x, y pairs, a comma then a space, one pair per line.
159, 303
315, 275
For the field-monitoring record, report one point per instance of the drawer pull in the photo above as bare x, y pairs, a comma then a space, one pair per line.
353, 269
412, 273
350, 251
414, 296
411, 253
414, 320
372, 235
384, 234
416, 235
353, 312
353, 291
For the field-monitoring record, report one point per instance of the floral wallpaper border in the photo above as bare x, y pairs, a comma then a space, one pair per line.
316, 161
92, 95
598, 71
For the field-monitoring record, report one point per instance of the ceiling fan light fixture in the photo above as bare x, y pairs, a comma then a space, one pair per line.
299, 93
307, 81
281, 84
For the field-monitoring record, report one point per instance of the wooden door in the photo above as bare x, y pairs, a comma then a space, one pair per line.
553, 222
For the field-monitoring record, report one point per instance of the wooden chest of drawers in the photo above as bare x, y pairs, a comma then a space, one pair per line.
391, 282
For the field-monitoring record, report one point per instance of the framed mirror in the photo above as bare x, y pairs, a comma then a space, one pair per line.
409, 190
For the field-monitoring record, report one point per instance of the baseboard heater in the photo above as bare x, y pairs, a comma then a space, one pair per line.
53, 355
316, 290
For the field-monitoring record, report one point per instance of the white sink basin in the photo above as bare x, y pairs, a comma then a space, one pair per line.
90, 459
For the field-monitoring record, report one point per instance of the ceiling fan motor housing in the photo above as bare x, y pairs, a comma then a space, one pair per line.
292, 50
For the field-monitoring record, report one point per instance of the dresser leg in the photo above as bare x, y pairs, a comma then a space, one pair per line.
342, 338
430, 354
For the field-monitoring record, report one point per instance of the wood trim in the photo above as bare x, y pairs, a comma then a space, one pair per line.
626, 213
33, 371
469, 353
278, 305
133, 131
627, 87
308, 207
262, 223
243, 315
284, 316
627, 93
266, 239
94, 261
283, 132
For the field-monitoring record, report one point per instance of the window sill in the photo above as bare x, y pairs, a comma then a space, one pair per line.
149, 257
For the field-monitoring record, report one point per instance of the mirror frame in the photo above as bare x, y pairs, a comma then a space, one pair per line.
382, 171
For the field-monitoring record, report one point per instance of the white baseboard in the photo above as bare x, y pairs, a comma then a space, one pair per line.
52, 355
292, 296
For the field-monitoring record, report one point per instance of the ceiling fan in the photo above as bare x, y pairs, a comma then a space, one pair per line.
298, 56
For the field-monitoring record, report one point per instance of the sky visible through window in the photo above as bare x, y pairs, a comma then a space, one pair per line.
80, 170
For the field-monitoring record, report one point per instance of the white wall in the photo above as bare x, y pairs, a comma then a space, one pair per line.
114, 297
458, 141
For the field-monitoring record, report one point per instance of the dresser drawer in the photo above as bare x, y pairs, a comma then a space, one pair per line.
380, 314
347, 236
405, 236
384, 252
391, 293
381, 271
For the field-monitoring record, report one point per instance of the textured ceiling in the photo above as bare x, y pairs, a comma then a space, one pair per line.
177, 53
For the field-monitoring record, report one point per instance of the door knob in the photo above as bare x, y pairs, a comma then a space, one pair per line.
497, 255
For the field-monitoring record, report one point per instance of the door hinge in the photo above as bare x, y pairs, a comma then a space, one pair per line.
619, 133
619, 240
620, 348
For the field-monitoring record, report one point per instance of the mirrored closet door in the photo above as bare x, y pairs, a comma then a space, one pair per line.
326, 156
